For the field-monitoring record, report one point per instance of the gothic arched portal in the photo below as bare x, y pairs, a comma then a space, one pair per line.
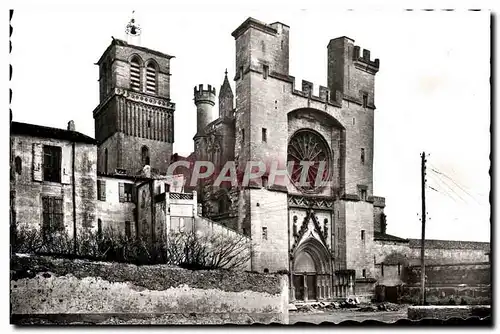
311, 271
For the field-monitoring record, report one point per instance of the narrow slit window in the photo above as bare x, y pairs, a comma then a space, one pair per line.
365, 100
266, 71
264, 233
362, 156
264, 135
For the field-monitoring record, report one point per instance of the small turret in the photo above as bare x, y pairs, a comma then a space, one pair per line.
204, 99
226, 99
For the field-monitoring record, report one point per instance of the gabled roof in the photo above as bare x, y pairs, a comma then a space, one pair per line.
387, 237
33, 130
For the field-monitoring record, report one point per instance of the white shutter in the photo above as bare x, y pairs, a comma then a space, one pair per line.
37, 162
66, 164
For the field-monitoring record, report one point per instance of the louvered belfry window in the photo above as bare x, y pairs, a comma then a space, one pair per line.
135, 74
151, 78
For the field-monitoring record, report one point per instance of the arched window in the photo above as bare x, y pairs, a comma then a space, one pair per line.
151, 78
135, 74
106, 161
18, 165
145, 155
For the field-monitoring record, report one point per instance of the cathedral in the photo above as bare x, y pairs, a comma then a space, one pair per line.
319, 234
330, 237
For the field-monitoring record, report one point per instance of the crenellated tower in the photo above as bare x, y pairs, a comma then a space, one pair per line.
350, 72
204, 99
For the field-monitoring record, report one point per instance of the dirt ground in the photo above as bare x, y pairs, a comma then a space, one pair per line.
340, 315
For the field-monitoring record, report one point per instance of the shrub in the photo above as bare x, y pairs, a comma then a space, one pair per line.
185, 249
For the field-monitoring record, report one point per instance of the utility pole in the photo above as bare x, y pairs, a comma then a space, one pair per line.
422, 241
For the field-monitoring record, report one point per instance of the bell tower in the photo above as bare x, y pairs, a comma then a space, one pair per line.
134, 121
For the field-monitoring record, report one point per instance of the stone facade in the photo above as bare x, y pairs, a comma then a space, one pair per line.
53, 179
134, 121
284, 220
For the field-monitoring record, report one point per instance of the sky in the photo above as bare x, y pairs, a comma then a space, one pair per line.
432, 91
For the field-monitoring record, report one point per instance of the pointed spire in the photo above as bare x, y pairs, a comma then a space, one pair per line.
225, 89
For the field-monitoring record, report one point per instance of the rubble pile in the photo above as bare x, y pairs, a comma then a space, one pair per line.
349, 303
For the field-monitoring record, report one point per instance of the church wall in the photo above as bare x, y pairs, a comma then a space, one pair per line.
358, 136
159, 153
269, 209
339, 235
359, 216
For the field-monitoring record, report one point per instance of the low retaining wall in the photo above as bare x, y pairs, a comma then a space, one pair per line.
46, 290
447, 312
457, 295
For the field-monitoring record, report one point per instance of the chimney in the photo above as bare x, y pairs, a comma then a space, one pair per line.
71, 126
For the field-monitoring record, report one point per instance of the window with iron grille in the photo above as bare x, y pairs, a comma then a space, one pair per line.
264, 233
53, 216
51, 163
126, 190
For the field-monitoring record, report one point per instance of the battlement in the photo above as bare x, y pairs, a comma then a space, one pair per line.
378, 201
364, 60
325, 95
202, 95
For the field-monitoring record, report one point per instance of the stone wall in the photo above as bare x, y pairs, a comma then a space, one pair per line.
449, 251
450, 284
58, 289
447, 312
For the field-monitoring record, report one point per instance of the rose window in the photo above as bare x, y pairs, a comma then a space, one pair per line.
310, 155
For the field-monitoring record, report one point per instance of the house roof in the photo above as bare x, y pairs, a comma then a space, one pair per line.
450, 244
33, 130
388, 237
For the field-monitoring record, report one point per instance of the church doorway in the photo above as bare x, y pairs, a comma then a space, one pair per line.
311, 275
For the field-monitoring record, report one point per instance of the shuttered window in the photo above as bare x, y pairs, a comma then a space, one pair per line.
126, 190
151, 78
101, 190
52, 163
52, 208
135, 74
